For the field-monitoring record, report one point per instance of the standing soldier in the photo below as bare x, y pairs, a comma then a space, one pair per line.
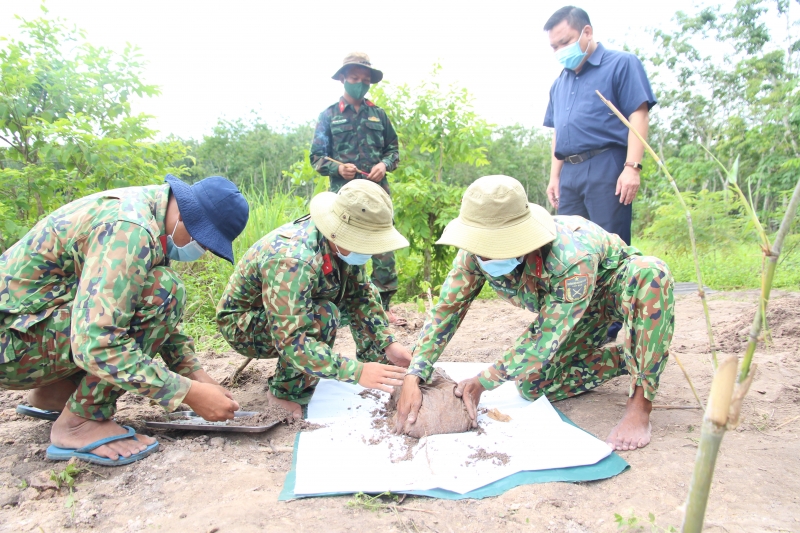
354, 139
87, 300
296, 286
578, 278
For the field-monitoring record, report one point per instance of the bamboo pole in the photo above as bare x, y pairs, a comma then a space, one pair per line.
688, 215
714, 422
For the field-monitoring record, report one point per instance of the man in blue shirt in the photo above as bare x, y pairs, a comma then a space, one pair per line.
596, 160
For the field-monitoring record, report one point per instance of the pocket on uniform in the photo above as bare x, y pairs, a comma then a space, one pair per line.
377, 126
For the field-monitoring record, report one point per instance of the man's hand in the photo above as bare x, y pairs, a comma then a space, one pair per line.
627, 185
202, 376
470, 391
348, 171
210, 401
398, 354
408, 405
381, 377
552, 191
377, 173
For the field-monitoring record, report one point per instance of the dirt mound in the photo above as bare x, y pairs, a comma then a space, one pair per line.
272, 413
783, 322
441, 411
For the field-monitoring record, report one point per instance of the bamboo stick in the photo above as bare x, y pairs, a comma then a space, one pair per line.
716, 417
688, 215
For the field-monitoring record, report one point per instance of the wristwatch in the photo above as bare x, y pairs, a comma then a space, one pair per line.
634, 164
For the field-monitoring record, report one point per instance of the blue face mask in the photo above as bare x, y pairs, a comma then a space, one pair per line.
571, 56
190, 252
353, 258
498, 267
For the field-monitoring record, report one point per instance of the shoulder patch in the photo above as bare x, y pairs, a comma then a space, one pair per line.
338, 120
369, 104
576, 287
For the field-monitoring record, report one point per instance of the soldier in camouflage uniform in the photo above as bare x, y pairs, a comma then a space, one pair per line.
299, 284
357, 133
88, 299
578, 278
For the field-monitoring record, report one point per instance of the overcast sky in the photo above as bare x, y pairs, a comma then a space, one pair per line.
228, 58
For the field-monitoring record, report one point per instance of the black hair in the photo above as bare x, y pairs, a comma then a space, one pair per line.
576, 18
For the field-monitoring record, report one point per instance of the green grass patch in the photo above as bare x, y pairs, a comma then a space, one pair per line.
732, 267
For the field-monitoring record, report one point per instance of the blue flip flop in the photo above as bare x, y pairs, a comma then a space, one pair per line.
35, 412
54, 453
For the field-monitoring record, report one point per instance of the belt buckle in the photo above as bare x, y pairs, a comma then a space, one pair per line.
574, 159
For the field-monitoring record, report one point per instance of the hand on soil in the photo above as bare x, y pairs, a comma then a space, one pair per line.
470, 391
408, 405
381, 377
72, 431
398, 354
212, 402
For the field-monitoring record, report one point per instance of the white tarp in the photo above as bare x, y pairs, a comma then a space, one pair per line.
350, 455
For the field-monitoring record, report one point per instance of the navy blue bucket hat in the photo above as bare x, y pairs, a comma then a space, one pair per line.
213, 210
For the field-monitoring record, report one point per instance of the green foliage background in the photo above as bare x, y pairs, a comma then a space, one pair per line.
722, 79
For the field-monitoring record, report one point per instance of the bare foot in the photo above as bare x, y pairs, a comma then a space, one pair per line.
52, 397
72, 431
293, 407
633, 431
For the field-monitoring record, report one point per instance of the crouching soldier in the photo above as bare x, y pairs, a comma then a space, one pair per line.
88, 299
299, 284
578, 278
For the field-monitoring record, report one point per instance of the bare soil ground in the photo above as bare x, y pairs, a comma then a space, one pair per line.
230, 482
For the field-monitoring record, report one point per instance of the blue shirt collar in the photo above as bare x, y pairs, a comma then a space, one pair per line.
597, 55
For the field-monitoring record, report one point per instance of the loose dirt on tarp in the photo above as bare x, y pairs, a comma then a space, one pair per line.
441, 411
272, 413
480, 454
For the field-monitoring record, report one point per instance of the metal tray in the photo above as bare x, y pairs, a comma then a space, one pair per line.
189, 420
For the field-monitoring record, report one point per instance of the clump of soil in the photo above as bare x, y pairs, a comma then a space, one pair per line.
369, 393
298, 424
441, 410
496, 458
272, 413
783, 320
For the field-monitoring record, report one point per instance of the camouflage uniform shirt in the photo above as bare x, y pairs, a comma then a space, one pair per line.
96, 252
576, 272
364, 139
288, 273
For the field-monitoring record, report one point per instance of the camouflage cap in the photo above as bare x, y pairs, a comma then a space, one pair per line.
497, 222
359, 218
362, 60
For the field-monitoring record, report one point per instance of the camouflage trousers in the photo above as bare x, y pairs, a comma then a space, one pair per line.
640, 297
43, 355
288, 382
384, 276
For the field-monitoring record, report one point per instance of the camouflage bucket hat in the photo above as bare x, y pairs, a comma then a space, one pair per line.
358, 218
362, 60
496, 220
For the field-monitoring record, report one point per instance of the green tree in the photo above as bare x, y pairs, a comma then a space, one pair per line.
251, 153
438, 131
726, 82
67, 125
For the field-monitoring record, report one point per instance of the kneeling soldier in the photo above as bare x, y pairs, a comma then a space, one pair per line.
296, 286
578, 278
88, 299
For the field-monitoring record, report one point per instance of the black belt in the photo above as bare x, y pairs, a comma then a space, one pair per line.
585, 156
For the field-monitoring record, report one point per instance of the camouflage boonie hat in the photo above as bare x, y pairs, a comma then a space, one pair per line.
358, 218
362, 60
496, 220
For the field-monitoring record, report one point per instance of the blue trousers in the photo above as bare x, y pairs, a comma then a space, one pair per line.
587, 189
